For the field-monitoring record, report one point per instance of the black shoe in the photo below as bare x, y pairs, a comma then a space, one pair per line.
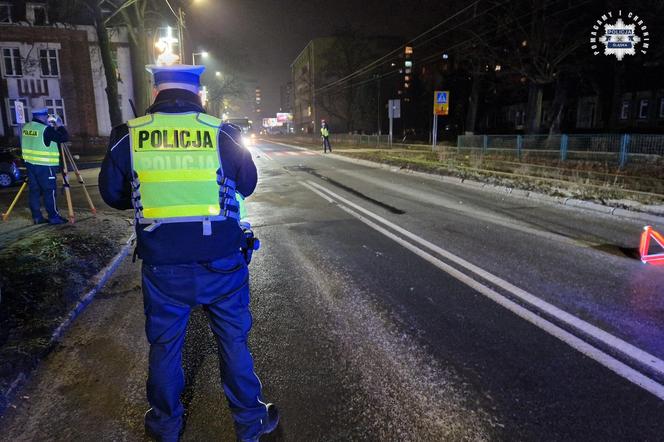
268, 425
57, 220
40, 221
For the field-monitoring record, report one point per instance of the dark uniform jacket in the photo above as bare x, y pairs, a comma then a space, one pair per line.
180, 243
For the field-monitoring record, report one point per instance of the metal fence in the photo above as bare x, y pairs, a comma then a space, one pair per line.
618, 148
381, 141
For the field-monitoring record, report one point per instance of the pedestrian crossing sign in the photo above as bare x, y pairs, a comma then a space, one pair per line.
441, 102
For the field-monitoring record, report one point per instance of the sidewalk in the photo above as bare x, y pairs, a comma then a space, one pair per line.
44, 270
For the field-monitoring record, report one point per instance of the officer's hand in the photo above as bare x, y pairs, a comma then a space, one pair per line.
58, 121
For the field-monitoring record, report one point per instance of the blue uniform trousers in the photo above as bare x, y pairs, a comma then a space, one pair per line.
326, 144
169, 293
42, 182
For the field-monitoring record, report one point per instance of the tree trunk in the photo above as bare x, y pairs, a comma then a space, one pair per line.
534, 109
142, 93
109, 68
558, 107
473, 100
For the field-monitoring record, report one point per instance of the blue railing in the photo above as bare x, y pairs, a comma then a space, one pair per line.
618, 148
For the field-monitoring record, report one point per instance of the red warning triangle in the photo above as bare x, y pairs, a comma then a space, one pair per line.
651, 258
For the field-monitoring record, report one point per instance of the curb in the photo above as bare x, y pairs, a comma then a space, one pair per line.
101, 279
569, 202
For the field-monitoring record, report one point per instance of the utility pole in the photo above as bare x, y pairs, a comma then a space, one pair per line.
181, 33
378, 103
313, 85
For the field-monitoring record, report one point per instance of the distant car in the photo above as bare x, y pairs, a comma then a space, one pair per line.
249, 140
12, 169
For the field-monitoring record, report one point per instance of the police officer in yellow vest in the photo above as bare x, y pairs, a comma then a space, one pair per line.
325, 135
181, 170
41, 154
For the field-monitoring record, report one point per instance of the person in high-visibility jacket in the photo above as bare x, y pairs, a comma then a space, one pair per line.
41, 154
325, 135
185, 173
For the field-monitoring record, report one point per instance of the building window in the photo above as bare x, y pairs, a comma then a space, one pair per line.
585, 117
36, 14
624, 110
49, 62
643, 108
5, 13
56, 106
12, 62
12, 110
661, 107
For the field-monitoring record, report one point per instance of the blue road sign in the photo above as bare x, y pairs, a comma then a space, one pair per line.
441, 97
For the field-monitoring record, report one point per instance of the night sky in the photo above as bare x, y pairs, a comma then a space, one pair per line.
261, 38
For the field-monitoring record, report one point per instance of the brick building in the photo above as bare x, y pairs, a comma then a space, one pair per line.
58, 66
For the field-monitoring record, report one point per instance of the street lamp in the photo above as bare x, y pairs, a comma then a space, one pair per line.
164, 47
203, 54
217, 74
179, 14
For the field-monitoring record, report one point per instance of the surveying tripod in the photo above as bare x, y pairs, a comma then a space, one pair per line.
66, 157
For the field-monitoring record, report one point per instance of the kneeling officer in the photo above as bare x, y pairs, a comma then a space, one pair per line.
180, 169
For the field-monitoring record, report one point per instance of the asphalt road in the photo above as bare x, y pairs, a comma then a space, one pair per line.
393, 307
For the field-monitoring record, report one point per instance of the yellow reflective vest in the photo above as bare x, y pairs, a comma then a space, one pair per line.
33, 149
178, 171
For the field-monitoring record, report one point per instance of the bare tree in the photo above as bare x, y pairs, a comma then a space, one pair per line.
524, 45
222, 90
95, 14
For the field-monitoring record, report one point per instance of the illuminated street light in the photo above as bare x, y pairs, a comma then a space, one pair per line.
164, 46
217, 74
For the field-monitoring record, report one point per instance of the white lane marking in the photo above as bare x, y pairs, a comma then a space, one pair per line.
262, 152
287, 145
470, 210
608, 361
615, 343
304, 150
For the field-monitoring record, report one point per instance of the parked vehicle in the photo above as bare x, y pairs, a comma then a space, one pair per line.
12, 169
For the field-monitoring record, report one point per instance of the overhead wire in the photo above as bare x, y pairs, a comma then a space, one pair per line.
460, 44
397, 50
